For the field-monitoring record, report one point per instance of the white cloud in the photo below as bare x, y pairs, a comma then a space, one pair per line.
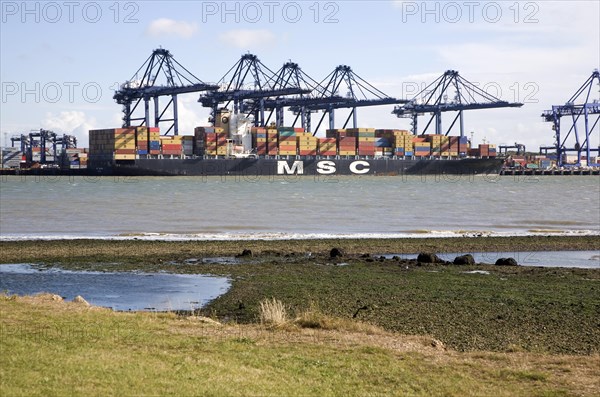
71, 122
248, 38
191, 114
169, 27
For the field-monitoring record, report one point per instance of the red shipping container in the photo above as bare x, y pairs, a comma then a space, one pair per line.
287, 147
307, 152
154, 151
153, 129
172, 152
125, 151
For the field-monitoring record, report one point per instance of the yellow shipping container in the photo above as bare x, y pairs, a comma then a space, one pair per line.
287, 152
359, 130
124, 147
120, 142
124, 156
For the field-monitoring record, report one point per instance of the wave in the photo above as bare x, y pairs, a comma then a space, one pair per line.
246, 236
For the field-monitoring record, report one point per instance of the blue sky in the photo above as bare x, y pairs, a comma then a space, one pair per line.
61, 61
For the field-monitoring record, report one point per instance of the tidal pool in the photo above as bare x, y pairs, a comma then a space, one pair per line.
117, 290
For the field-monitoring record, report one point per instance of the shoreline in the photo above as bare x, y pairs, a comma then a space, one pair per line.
279, 236
152, 252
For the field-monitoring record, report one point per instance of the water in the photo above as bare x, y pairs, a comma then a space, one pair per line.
576, 259
116, 290
176, 208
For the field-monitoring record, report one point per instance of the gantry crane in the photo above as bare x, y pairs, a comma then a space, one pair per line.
579, 109
358, 93
247, 85
43, 139
291, 74
449, 92
145, 86
519, 146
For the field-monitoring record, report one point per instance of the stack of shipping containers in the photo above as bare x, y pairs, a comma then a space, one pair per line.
142, 137
210, 143
199, 141
259, 140
383, 146
221, 142
347, 145
307, 144
154, 141
327, 146
171, 145
124, 143
404, 146
365, 139
397, 140
287, 141
130, 143
272, 142
83, 158
187, 145
421, 147
438, 143
76, 158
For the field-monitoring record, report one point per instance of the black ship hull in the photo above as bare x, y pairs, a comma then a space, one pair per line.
255, 167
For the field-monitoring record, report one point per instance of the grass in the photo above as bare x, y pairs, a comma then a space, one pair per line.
272, 312
57, 348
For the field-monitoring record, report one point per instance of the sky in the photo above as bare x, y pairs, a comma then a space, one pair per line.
62, 61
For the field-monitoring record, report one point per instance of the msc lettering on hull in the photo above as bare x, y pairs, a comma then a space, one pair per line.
324, 167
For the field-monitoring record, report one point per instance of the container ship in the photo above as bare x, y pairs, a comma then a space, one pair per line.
281, 151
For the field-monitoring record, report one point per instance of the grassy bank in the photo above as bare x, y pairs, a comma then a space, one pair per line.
547, 310
153, 252
57, 348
